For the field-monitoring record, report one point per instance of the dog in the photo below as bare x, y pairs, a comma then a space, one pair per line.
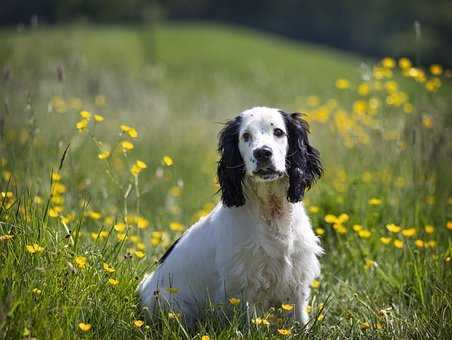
257, 244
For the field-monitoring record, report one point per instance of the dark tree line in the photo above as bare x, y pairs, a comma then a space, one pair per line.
375, 27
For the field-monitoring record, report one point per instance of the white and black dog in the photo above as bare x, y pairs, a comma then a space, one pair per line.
257, 244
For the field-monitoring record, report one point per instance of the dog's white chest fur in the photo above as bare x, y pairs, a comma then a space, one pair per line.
262, 271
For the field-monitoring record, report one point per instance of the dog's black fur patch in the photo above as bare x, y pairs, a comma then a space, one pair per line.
302, 161
231, 168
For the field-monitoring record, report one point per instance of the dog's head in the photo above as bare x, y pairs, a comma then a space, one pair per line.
266, 144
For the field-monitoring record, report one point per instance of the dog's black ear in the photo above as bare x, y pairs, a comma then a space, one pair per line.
302, 160
231, 169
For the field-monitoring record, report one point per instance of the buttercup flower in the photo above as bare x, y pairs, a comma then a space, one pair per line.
167, 160
398, 244
84, 327
315, 284
108, 268
138, 323
34, 248
287, 307
234, 301
113, 282
81, 261
284, 331
393, 228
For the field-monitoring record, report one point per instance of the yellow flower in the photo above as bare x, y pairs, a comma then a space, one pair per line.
124, 128
138, 323
172, 290
404, 63
132, 133
142, 223
330, 218
385, 240
287, 307
81, 261
134, 170
364, 233
375, 201
360, 107
95, 215
173, 315
108, 268
419, 243
38, 200
449, 225
121, 236
6, 237
257, 321
427, 121
98, 118
284, 331
314, 209
138, 253
320, 231
409, 232
398, 244
113, 282
388, 62
234, 301
104, 155
58, 188
205, 337
315, 284
431, 244
56, 176
85, 114
167, 160
126, 145
100, 235
141, 164
36, 291
176, 226
357, 227
363, 89
393, 228
82, 125
342, 84
436, 69
364, 326
369, 264
34, 248
120, 227
85, 327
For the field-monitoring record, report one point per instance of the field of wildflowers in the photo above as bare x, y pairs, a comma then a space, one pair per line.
107, 154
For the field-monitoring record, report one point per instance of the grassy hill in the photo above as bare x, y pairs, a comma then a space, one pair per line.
382, 209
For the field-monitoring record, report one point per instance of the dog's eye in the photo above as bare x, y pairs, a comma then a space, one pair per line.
246, 136
278, 132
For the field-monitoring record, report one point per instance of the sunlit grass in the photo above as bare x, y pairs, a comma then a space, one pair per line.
107, 155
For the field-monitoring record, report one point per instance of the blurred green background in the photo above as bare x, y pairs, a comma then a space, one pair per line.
375, 27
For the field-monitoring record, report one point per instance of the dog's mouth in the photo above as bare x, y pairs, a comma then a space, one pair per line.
267, 173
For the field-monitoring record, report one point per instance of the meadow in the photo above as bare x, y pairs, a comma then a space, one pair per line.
108, 153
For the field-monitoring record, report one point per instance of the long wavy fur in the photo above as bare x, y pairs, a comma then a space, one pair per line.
303, 164
231, 169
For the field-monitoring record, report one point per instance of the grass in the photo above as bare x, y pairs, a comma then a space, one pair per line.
386, 152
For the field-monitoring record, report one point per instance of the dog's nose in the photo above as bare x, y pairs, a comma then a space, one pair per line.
263, 154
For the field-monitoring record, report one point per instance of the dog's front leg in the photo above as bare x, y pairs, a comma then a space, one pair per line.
301, 304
